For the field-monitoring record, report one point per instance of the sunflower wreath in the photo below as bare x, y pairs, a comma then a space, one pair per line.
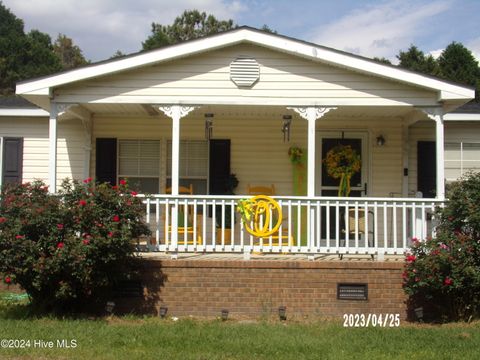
342, 163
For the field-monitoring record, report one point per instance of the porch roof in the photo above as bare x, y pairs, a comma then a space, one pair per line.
40, 90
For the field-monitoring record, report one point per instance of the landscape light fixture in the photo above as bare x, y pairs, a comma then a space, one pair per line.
163, 311
282, 313
109, 307
208, 125
224, 314
287, 121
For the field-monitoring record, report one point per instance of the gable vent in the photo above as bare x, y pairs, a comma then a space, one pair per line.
244, 72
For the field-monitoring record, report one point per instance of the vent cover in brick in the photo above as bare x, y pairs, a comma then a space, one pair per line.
352, 291
244, 72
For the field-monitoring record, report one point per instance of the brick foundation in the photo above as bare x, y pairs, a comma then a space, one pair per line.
257, 288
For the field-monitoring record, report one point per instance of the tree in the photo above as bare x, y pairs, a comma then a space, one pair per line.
192, 24
382, 60
457, 63
22, 56
118, 54
414, 59
69, 54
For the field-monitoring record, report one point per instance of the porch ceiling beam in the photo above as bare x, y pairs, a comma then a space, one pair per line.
311, 114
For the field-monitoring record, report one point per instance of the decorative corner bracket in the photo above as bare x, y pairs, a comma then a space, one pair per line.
311, 113
177, 111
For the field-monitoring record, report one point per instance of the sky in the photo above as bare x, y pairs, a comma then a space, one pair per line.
363, 27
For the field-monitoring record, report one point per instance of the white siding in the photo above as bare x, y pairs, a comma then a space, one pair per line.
258, 153
455, 132
35, 147
284, 79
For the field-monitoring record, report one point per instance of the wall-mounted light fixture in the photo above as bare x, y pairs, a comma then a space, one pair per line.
287, 122
208, 125
380, 140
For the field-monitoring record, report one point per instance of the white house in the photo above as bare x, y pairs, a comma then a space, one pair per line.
235, 102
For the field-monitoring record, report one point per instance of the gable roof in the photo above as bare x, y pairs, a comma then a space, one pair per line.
446, 91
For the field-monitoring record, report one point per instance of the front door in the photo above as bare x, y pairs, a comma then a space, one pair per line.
325, 184
328, 186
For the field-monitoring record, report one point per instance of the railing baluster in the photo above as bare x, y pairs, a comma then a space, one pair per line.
404, 225
337, 223
394, 213
385, 227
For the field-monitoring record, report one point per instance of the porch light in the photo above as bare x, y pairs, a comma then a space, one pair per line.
287, 121
208, 125
224, 314
282, 313
380, 140
163, 311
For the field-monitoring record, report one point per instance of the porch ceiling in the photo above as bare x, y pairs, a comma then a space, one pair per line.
142, 110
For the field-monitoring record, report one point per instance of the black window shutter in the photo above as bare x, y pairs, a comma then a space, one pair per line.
106, 160
12, 160
219, 166
426, 168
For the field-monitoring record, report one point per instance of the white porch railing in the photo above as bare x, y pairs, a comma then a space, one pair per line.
320, 225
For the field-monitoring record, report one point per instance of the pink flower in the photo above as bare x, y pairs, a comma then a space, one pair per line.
2, 220
417, 279
123, 182
86, 241
60, 226
448, 281
82, 202
115, 187
60, 245
110, 234
8, 280
18, 237
443, 246
87, 180
134, 193
411, 258
415, 240
116, 218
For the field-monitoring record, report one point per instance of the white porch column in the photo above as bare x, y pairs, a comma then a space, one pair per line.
52, 155
311, 114
436, 114
176, 112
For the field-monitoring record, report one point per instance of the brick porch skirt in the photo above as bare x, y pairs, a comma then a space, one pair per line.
256, 288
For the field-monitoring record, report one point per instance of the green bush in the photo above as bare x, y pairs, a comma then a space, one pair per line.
68, 250
443, 274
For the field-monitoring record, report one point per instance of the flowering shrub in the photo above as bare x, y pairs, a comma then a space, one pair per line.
443, 274
70, 249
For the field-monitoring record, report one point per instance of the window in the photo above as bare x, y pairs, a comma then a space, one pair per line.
139, 162
11, 161
461, 157
193, 167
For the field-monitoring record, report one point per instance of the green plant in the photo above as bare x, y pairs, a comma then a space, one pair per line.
68, 250
443, 273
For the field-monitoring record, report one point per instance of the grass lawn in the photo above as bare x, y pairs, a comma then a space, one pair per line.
144, 338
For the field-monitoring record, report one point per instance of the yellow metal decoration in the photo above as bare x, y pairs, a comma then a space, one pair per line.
257, 213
